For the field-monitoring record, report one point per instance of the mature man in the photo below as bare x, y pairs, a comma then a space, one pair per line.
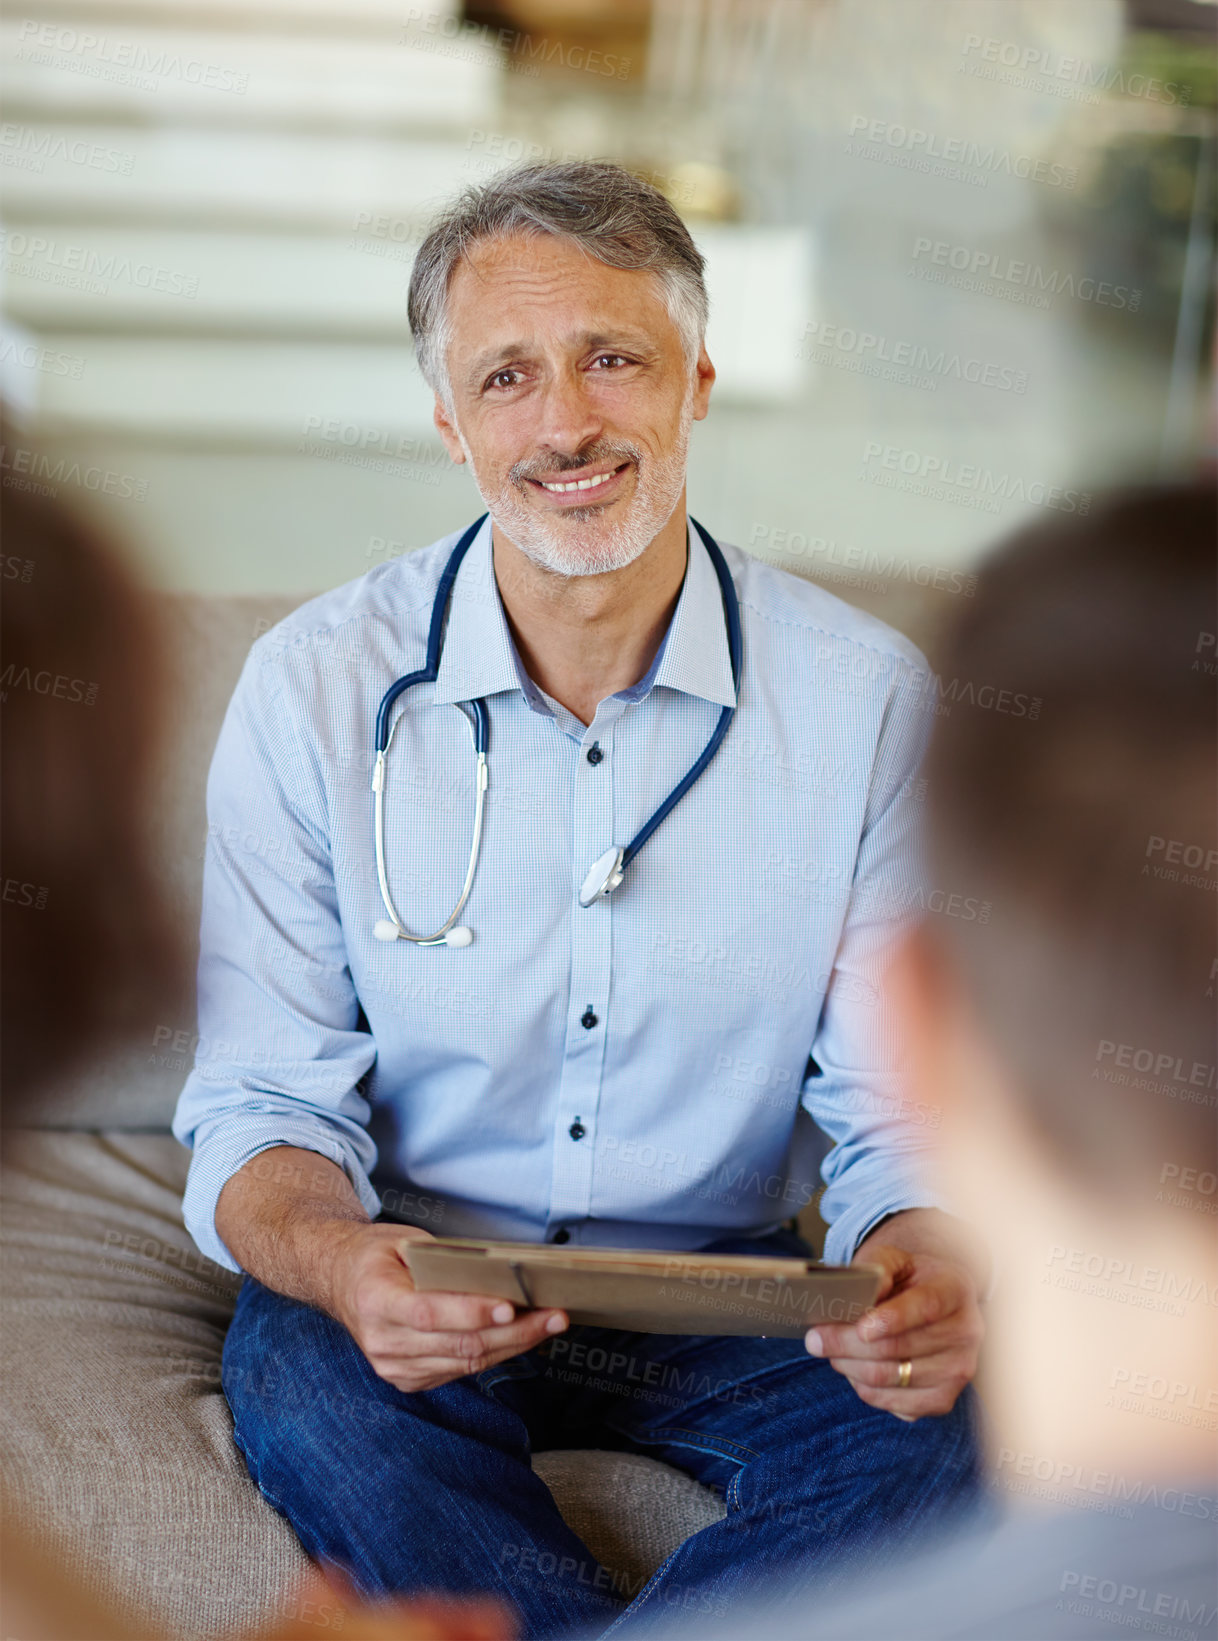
626, 1072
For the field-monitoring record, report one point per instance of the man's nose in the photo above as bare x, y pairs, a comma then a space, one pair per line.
569, 417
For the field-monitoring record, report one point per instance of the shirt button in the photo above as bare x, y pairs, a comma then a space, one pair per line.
587, 1019
577, 1130
561, 1236
594, 753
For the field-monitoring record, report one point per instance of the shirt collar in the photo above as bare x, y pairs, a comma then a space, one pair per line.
478, 657
695, 657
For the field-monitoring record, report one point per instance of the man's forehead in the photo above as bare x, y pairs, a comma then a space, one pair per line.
530, 253
513, 296
544, 269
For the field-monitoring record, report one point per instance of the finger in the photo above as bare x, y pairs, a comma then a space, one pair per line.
441, 1312
894, 1264
925, 1305
475, 1348
932, 1402
917, 1306
414, 1374
925, 1372
522, 1334
934, 1384
845, 1342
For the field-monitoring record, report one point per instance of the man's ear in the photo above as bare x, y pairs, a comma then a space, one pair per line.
704, 380
447, 431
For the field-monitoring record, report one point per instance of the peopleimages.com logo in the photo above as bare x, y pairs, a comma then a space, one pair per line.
992, 273
954, 158
34, 256
105, 56
919, 364
1041, 68
923, 472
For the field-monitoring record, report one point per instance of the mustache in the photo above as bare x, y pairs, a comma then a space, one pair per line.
616, 451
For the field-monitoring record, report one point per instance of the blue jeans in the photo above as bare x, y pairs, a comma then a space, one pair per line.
434, 1491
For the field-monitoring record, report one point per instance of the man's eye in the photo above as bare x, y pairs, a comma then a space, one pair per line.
502, 378
613, 358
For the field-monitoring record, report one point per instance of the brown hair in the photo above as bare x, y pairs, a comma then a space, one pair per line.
1086, 816
88, 949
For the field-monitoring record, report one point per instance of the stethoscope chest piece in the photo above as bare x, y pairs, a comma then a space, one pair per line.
603, 877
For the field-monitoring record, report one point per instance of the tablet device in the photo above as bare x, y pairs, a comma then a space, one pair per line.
650, 1292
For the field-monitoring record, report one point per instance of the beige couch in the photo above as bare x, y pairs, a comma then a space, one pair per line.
117, 1439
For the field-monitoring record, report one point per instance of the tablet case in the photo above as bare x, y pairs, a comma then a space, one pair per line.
650, 1292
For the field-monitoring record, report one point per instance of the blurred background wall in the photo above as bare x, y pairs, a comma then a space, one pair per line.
960, 258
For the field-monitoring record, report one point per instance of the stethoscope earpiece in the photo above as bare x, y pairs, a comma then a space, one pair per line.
460, 936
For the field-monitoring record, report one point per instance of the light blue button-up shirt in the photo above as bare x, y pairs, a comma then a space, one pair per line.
633, 1072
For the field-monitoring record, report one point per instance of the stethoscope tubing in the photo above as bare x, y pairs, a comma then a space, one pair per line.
735, 645
435, 639
479, 718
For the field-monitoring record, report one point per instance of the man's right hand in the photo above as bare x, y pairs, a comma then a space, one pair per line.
292, 1219
415, 1340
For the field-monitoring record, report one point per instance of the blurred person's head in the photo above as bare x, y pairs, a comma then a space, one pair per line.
1069, 1040
88, 949
558, 314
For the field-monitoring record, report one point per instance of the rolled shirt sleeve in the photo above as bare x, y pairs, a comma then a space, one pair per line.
877, 1165
281, 1052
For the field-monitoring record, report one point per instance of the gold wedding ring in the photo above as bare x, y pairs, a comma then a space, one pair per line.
904, 1375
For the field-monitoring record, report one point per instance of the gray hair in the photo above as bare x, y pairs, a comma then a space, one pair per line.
609, 212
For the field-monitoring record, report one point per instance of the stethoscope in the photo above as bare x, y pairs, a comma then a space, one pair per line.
607, 872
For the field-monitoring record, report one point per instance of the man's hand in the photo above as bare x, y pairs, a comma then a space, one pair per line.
420, 1340
926, 1314
292, 1219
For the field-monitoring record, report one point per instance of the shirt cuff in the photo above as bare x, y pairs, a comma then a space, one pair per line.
217, 1159
856, 1222
875, 1219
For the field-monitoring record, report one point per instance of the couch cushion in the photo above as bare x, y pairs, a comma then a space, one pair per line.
632, 1512
117, 1440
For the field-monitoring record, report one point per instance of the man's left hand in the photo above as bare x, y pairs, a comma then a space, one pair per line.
926, 1314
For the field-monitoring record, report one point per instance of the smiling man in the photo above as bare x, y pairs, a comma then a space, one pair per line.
618, 1056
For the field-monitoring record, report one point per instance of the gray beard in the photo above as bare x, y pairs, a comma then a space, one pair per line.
557, 543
